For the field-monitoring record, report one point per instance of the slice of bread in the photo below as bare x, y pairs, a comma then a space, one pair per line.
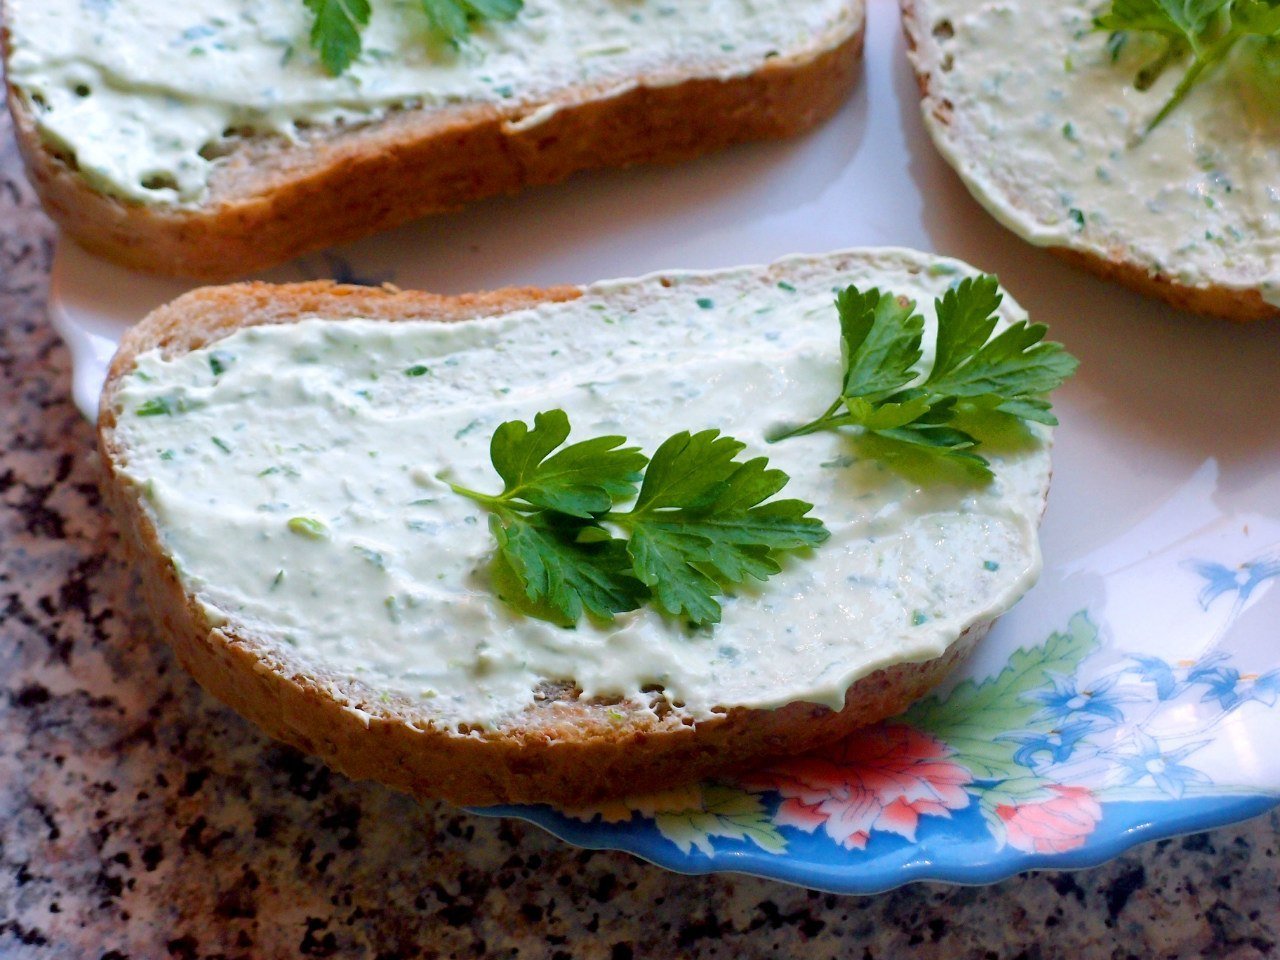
816, 644
273, 197
1030, 106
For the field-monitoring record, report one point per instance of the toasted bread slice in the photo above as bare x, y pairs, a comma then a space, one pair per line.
1041, 121
854, 633
272, 197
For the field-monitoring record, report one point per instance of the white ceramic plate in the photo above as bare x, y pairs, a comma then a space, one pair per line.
1162, 537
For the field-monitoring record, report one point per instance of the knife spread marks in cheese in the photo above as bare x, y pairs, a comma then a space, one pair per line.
1045, 128
145, 95
294, 474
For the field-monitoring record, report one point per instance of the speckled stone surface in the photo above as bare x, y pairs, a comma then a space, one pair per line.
139, 818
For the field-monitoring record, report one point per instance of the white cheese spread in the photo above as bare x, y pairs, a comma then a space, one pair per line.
296, 483
1045, 126
146, 95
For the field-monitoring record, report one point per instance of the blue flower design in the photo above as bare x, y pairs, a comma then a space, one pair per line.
1231, 689
1223, 685
1206, 668
1266, 688
1164, 768
1058, 744
1065, 700
1242, 580
1157, 671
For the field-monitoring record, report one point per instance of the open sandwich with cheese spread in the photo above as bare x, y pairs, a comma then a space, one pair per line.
564, 543
211, 140
1140, 140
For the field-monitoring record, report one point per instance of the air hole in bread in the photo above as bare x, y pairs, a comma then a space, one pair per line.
556, 690
944, 30
83, 90
224, 146
159, 181
947, 63
214, 149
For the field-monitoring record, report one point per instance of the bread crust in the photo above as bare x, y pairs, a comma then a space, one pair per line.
271, 202
562, 749
1118, 265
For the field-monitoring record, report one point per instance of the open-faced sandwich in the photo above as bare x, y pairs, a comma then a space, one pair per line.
1137, 138
213, 139
576, 542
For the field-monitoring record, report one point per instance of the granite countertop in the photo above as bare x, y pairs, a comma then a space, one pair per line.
139, 818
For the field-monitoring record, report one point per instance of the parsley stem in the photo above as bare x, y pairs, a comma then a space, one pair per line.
1203, 61
484, 499
813, 426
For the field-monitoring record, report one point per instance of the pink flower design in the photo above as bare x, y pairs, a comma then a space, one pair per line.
882, 778
1060, 823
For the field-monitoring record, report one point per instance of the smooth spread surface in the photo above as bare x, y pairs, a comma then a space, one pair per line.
146, 96
296, 483
1045, 127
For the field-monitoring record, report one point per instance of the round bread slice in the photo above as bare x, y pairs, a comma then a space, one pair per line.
372, 637
271, 197
1037, 112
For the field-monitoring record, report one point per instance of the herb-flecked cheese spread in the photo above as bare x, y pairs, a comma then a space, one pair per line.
297, 476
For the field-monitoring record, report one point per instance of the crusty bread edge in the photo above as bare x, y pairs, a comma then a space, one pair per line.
1212, 300
549, 759
271, 203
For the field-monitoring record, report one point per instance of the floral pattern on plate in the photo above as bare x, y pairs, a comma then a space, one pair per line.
1032, 761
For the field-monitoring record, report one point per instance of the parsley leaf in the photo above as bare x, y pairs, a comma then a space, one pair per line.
335, 33
557, 568
698, 526
336, 30
879, 341
582, 480
451, 19
1207, 29
884, 393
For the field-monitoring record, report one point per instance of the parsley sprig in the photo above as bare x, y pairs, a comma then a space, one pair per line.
1208, 30
698, 526
338, 25
884, 393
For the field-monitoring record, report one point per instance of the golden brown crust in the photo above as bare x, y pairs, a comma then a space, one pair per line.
563, 750
271, 203
1209, 300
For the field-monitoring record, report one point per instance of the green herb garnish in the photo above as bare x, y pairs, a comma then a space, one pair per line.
160, 406
699, 523
336, 30
1208, 30
219, 360
308, 527
884, 393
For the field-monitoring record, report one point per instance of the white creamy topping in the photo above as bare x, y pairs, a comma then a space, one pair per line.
297, 486
1046, 127
145, 94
